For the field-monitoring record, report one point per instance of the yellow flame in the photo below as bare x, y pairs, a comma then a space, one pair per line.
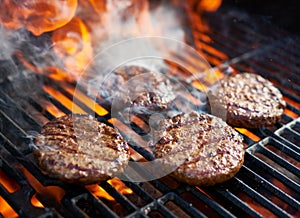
6, 210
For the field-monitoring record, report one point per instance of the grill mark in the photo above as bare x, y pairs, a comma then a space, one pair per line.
204, 149
62, 154
250, 101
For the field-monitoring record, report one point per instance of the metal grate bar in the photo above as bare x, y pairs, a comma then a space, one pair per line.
156, 183
192, 211
278, 138
261, 199
285, 149
171, 196
278, 69
293, 109
118, 197
41, 109
104, 210
274, 172
238, 202
276, 61
279, 160
155, 205
211, 203
9, 106
273, 189
19, 200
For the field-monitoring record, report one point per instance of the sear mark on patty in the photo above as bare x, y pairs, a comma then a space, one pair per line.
79, 149
203, 149
247, 100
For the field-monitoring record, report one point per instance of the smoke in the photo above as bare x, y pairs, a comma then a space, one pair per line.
6, 46
133, 18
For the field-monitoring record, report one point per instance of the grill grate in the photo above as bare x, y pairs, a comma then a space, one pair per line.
267, 184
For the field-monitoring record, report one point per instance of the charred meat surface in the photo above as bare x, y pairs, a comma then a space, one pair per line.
138, 88
247, 100
207, 149
79, 149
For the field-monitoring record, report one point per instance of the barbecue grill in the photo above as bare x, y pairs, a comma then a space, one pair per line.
268, 183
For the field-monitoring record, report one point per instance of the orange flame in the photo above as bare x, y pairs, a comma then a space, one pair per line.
37, 16
72, 43
53, 193
6, 210
35, 202
98, 191
197, 21
119, 186
87, 100
64, 100
248, 133
9, 184
54, 110
209, 5
98, 5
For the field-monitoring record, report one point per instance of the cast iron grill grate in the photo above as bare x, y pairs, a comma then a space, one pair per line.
267, 184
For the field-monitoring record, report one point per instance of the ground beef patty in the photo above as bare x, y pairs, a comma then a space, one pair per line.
205, 149
143, 90
79, 149
246, 100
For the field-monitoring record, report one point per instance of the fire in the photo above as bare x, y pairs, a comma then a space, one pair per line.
64, 100
99, 192
98, 5
119, 186
37, 16
35, 202
72, 43
248, 133
53, 110
6, 210
87, 101
197, 21
53, 193
209, 5
10, 185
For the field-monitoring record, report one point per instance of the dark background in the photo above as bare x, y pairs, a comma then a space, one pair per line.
284, 13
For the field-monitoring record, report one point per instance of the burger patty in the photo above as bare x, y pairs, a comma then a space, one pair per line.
201, 148
142, 90
247, 100
79, 149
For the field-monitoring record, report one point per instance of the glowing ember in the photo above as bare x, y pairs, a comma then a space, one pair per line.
53, 110
37, 16
87, 101
9, 184
209, 5
290, 113
196, 21
53, 193
72, 43
99, 192
119, 186
6, 210
248, 133
35, 202
64, 100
